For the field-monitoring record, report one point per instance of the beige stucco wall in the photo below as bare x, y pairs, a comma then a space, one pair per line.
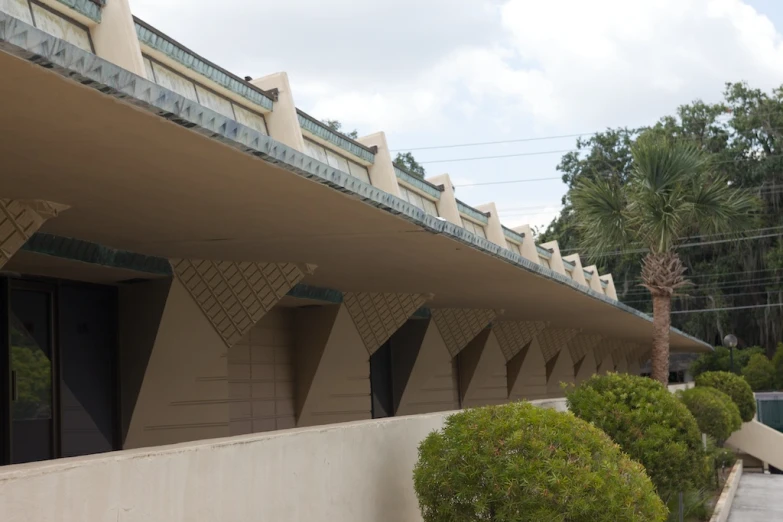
115, 37
528, 248
578, 273
282, 122
261, 376
482, 372
447, 206
556, 262
494, 228
184, 392
332, 369
382, 171
431, 382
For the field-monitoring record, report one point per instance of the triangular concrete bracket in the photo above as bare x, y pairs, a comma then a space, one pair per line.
19, 220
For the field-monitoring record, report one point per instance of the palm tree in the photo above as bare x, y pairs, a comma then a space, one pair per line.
669, 195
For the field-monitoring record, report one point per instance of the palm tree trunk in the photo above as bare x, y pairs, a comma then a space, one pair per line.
662, 307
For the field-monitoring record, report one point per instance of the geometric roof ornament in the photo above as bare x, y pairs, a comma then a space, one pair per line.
20, 219
513, 336
459, 326
234, 296
378, 315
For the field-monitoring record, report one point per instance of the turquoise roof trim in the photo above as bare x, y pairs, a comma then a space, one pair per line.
543, 252
151, 37
513, 236
415, 181
569, 265
88, 8
93, 253
37, 47
301, 291
472, 213
317, 128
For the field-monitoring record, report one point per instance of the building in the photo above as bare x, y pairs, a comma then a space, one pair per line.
187, 255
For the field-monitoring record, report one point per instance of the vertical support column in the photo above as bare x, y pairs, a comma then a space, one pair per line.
529, 250
482, 372
595, 281
282, 122
494, 228
578, 274
447, 206
115, 37
610, 289
333, 349
423, 375
382, 172
581, 348
556, 262
525, 372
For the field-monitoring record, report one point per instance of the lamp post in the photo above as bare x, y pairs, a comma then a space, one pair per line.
730, 342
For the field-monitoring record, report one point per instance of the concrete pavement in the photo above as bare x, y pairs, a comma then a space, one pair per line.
759, 499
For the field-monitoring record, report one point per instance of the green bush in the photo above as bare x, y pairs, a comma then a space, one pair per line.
518, 462
735, 387
719, 360
760, 373
649, 424
714, 411
777, 364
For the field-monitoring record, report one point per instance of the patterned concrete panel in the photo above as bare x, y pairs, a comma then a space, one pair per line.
581, 345
377, 316
235, 296
552, 340
20, 219
513, 336
459, 326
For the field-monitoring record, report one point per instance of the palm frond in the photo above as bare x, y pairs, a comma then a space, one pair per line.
600, 205
714, 206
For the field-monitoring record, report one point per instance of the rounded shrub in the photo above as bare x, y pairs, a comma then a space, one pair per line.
714, 411
518, 462
735, 387
760, 373
649, 424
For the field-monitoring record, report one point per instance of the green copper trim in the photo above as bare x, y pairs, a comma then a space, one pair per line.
89, 8
316, 293
513, 236
317, 128
569, 265
153, 38
420, 183
543, 252
422, 313
93, 253
24, 41
471, 212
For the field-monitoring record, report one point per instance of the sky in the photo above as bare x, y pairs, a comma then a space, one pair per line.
434, 73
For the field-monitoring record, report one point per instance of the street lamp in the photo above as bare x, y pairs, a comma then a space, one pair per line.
730, 342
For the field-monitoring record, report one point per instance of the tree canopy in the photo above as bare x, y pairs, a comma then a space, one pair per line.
741, 137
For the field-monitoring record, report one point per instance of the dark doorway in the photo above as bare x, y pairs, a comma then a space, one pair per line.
381, 382
58, 350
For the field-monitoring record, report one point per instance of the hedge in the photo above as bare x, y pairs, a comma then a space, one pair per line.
518, 462
715, 412
649, 423
735, 387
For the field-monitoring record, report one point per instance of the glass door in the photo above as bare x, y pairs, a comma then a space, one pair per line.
31, 380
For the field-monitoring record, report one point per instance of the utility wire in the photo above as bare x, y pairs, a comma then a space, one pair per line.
536, 153
729, 285
769, 305
742, 294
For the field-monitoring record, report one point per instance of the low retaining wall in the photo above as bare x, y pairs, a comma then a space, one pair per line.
723, 506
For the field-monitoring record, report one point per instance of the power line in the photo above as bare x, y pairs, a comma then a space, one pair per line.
686, 245
769, 305
741, 294
478, 144
537, 153
729, 285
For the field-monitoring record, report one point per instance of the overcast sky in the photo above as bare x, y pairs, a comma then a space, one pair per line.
443, 72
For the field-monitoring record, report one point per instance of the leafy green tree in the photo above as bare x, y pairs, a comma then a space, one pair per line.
336, 126
777, 364
669, 195
741, 135
760, 373
409, 163
518, 462
719, 360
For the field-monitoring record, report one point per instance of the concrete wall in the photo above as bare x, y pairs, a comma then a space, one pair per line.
355, 472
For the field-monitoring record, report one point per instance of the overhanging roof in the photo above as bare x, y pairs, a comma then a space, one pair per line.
145, 170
